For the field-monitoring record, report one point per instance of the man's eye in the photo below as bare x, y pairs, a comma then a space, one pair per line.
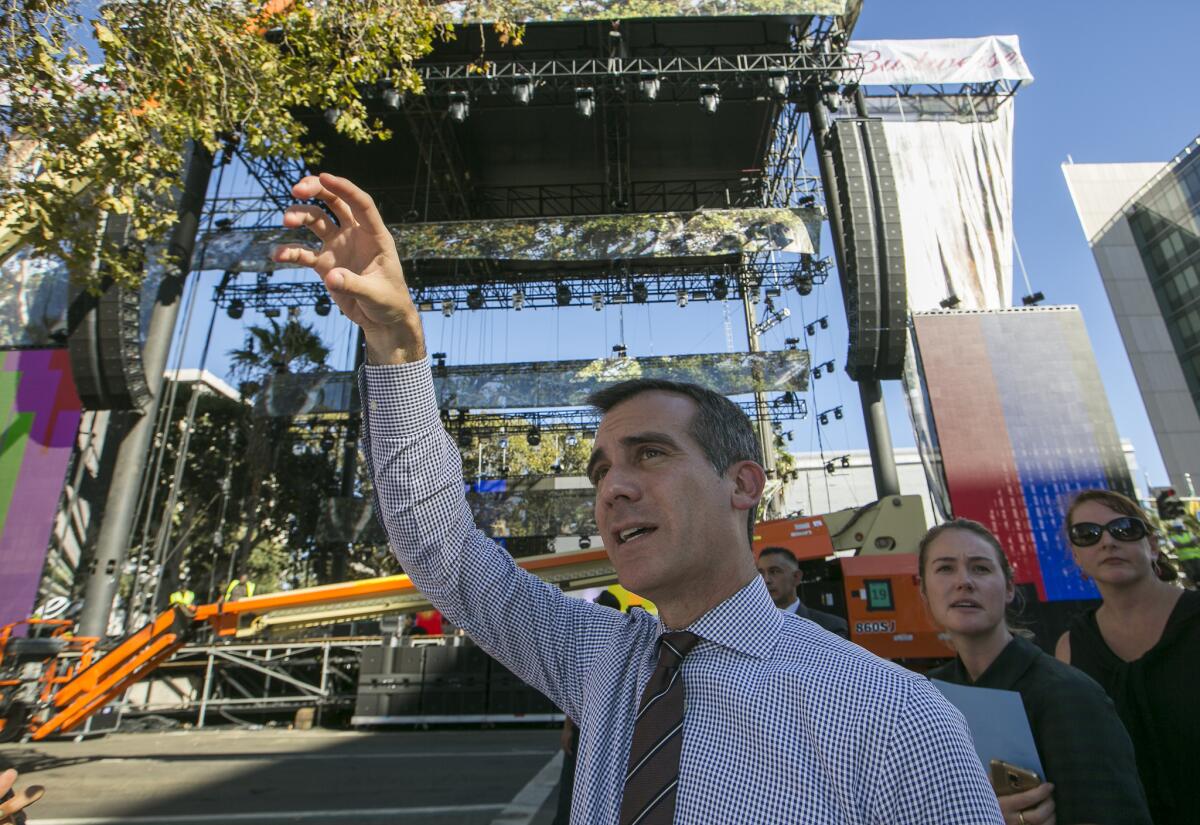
651, 452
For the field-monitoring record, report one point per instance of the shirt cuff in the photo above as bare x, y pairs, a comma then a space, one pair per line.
400, 399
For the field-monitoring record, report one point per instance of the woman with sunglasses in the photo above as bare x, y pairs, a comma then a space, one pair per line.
1142, 644
1088, 760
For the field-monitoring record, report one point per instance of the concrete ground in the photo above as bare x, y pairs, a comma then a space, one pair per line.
270, 777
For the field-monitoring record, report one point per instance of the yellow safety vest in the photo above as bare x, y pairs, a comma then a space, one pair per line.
235, 583
184, 597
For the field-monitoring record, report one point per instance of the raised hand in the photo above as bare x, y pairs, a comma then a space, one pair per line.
358, 264
10, 809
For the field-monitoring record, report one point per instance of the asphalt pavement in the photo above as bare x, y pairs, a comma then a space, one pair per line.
272, 777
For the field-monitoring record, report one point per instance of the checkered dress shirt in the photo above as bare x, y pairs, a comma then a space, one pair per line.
785, 722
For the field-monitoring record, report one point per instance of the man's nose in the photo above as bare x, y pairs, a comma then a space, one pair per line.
618, 483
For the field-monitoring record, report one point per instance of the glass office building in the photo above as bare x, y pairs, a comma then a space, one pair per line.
1142, 221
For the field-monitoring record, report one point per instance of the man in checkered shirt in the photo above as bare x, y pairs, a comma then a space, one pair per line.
784, 722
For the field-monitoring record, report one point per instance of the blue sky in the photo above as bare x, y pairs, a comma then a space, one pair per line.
1114, 83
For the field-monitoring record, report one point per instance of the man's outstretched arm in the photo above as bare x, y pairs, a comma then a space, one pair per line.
525, 623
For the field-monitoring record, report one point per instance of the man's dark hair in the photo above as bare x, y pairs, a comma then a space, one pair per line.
780, 551
719, 426
608, 599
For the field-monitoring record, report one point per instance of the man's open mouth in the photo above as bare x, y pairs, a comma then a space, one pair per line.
633, 533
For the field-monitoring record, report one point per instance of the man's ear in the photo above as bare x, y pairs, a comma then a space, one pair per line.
749, 480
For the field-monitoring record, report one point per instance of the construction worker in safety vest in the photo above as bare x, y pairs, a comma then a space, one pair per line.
239, 588
184, 599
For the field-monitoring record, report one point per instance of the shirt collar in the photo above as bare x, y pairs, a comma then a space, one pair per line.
794, 607
748, 621
1008, 667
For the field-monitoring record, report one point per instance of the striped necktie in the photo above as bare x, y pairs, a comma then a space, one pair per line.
653, 772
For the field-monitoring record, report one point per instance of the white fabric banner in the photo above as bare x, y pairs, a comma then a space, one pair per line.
935, 62
954, 186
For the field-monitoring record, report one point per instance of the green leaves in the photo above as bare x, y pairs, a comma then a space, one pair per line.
109, 130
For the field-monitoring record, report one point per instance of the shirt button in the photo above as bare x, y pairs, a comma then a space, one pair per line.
374, 405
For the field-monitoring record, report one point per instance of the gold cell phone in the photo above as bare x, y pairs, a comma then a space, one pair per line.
1009, 779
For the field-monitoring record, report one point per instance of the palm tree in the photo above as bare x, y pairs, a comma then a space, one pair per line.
293, 348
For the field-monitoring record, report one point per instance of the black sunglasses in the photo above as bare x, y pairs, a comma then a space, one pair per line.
1125, 528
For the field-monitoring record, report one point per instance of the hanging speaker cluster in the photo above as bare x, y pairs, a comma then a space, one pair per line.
105, 341
874, 282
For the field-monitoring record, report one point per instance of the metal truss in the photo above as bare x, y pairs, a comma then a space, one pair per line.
678, 284
276, 176
803, 63
965, 102
272, 676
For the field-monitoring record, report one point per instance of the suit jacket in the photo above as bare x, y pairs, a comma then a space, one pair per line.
832, 623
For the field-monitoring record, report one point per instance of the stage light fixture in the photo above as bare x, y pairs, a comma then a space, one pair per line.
332, 114
823, 321
720, 288
460, 106
425, 306
810, 330
831, 95
791, 343
1033, 300
804, 284
272, 312
585, 100
845, 461
640, 293
572, 440
585, 542
439, 363
823, 418
447, 308
533, 437
828, 365
777, 81
816, 373
837, 413
236, 309
710, 97
523, 89
323, 306
597, 301
950, 301
829, 468
787, 398
562, 295
620, 350
392, 98
681, 298
518, 300
475, 299
649, 84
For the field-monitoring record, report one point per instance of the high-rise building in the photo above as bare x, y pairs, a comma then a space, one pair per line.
1142, 221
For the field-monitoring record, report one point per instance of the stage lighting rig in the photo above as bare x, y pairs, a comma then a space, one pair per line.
681, 298
447, 308
811, 329
791, 343
597, 301
620, 351
836, 412
950, 301
439, 363
640, 293
1033, 300
562, 295
533, 437
649, 84
236, 309
777, 82
585, 100
831, 95
475, 299
773, 318
460, 106
323, 306
720, 288
523, 89
518, 300
710, 97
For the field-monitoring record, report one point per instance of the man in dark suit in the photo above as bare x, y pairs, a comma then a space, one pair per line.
781, 573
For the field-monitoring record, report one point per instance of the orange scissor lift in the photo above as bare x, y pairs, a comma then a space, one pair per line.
77, 679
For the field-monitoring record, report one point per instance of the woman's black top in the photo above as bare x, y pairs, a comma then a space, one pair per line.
1084, 749
1155, 697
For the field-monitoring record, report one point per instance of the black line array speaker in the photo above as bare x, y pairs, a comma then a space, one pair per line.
105, 341
873, 285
